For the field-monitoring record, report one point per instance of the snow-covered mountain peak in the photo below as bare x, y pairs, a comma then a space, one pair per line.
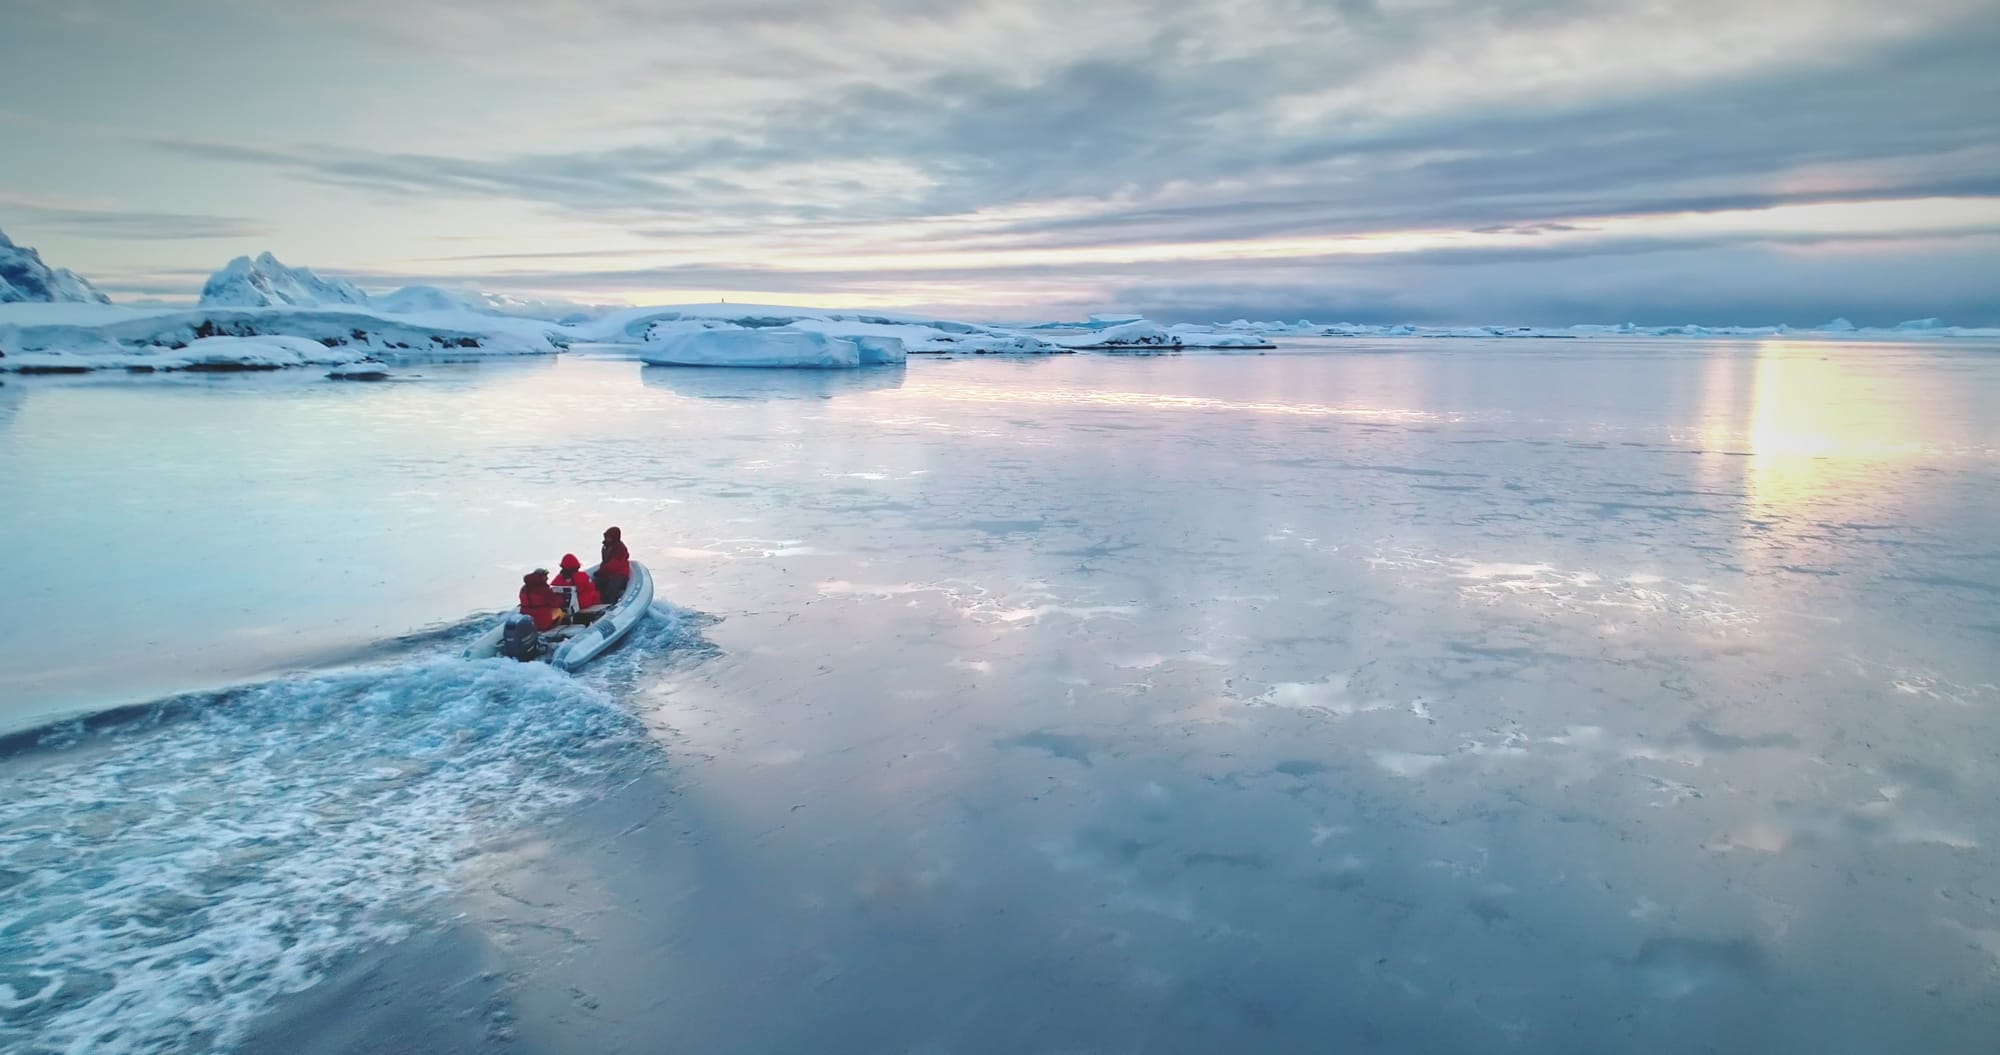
266, 282
24, 278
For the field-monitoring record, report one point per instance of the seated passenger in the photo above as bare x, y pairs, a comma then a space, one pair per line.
574, 577
540, 601
615, 568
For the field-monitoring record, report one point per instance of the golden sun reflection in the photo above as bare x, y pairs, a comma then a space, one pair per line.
1820, 439
1819, 419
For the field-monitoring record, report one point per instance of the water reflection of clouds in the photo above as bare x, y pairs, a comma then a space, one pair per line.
705, 382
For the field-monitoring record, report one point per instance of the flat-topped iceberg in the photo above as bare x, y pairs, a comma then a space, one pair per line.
770, 348
920, 334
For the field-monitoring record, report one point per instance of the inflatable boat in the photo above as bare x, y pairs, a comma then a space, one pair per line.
571, 646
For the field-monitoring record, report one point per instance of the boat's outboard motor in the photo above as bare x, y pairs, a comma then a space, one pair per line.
519, 638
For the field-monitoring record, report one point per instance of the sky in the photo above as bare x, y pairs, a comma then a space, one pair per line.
1432, 161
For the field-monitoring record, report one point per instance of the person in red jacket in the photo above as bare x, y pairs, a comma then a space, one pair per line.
574, 577
541, 602
615, 567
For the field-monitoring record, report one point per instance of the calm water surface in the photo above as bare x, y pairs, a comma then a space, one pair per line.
1366, 696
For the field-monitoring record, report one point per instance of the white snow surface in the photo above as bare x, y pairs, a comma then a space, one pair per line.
265, 283
25, 279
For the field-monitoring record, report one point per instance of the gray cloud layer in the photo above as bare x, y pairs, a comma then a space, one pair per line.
1317, 120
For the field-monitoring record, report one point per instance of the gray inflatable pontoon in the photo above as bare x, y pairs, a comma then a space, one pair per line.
570, 647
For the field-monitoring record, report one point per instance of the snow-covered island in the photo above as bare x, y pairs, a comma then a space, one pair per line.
1142, 335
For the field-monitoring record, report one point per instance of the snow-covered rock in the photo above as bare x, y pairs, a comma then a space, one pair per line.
773, 347
25, 279
362, 370
265, 283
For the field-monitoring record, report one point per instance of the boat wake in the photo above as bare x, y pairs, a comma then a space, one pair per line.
166, 873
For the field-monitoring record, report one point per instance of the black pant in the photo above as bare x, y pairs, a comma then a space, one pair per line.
611, 586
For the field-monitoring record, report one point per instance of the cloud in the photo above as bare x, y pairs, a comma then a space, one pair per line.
88, 220
779, 141
1133, 139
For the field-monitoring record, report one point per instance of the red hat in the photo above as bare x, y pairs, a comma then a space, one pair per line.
538, 573
570, 563
612, 532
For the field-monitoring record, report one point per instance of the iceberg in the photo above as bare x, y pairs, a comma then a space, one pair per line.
921, 335
265, 283
25, 279
764, 348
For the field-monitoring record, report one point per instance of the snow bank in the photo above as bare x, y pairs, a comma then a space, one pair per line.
266, 283
25, 279
94, 337
767, 348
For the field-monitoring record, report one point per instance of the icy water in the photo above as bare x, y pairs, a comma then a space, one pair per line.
1426, 696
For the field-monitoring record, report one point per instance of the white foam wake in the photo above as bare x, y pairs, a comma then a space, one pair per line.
163, 881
